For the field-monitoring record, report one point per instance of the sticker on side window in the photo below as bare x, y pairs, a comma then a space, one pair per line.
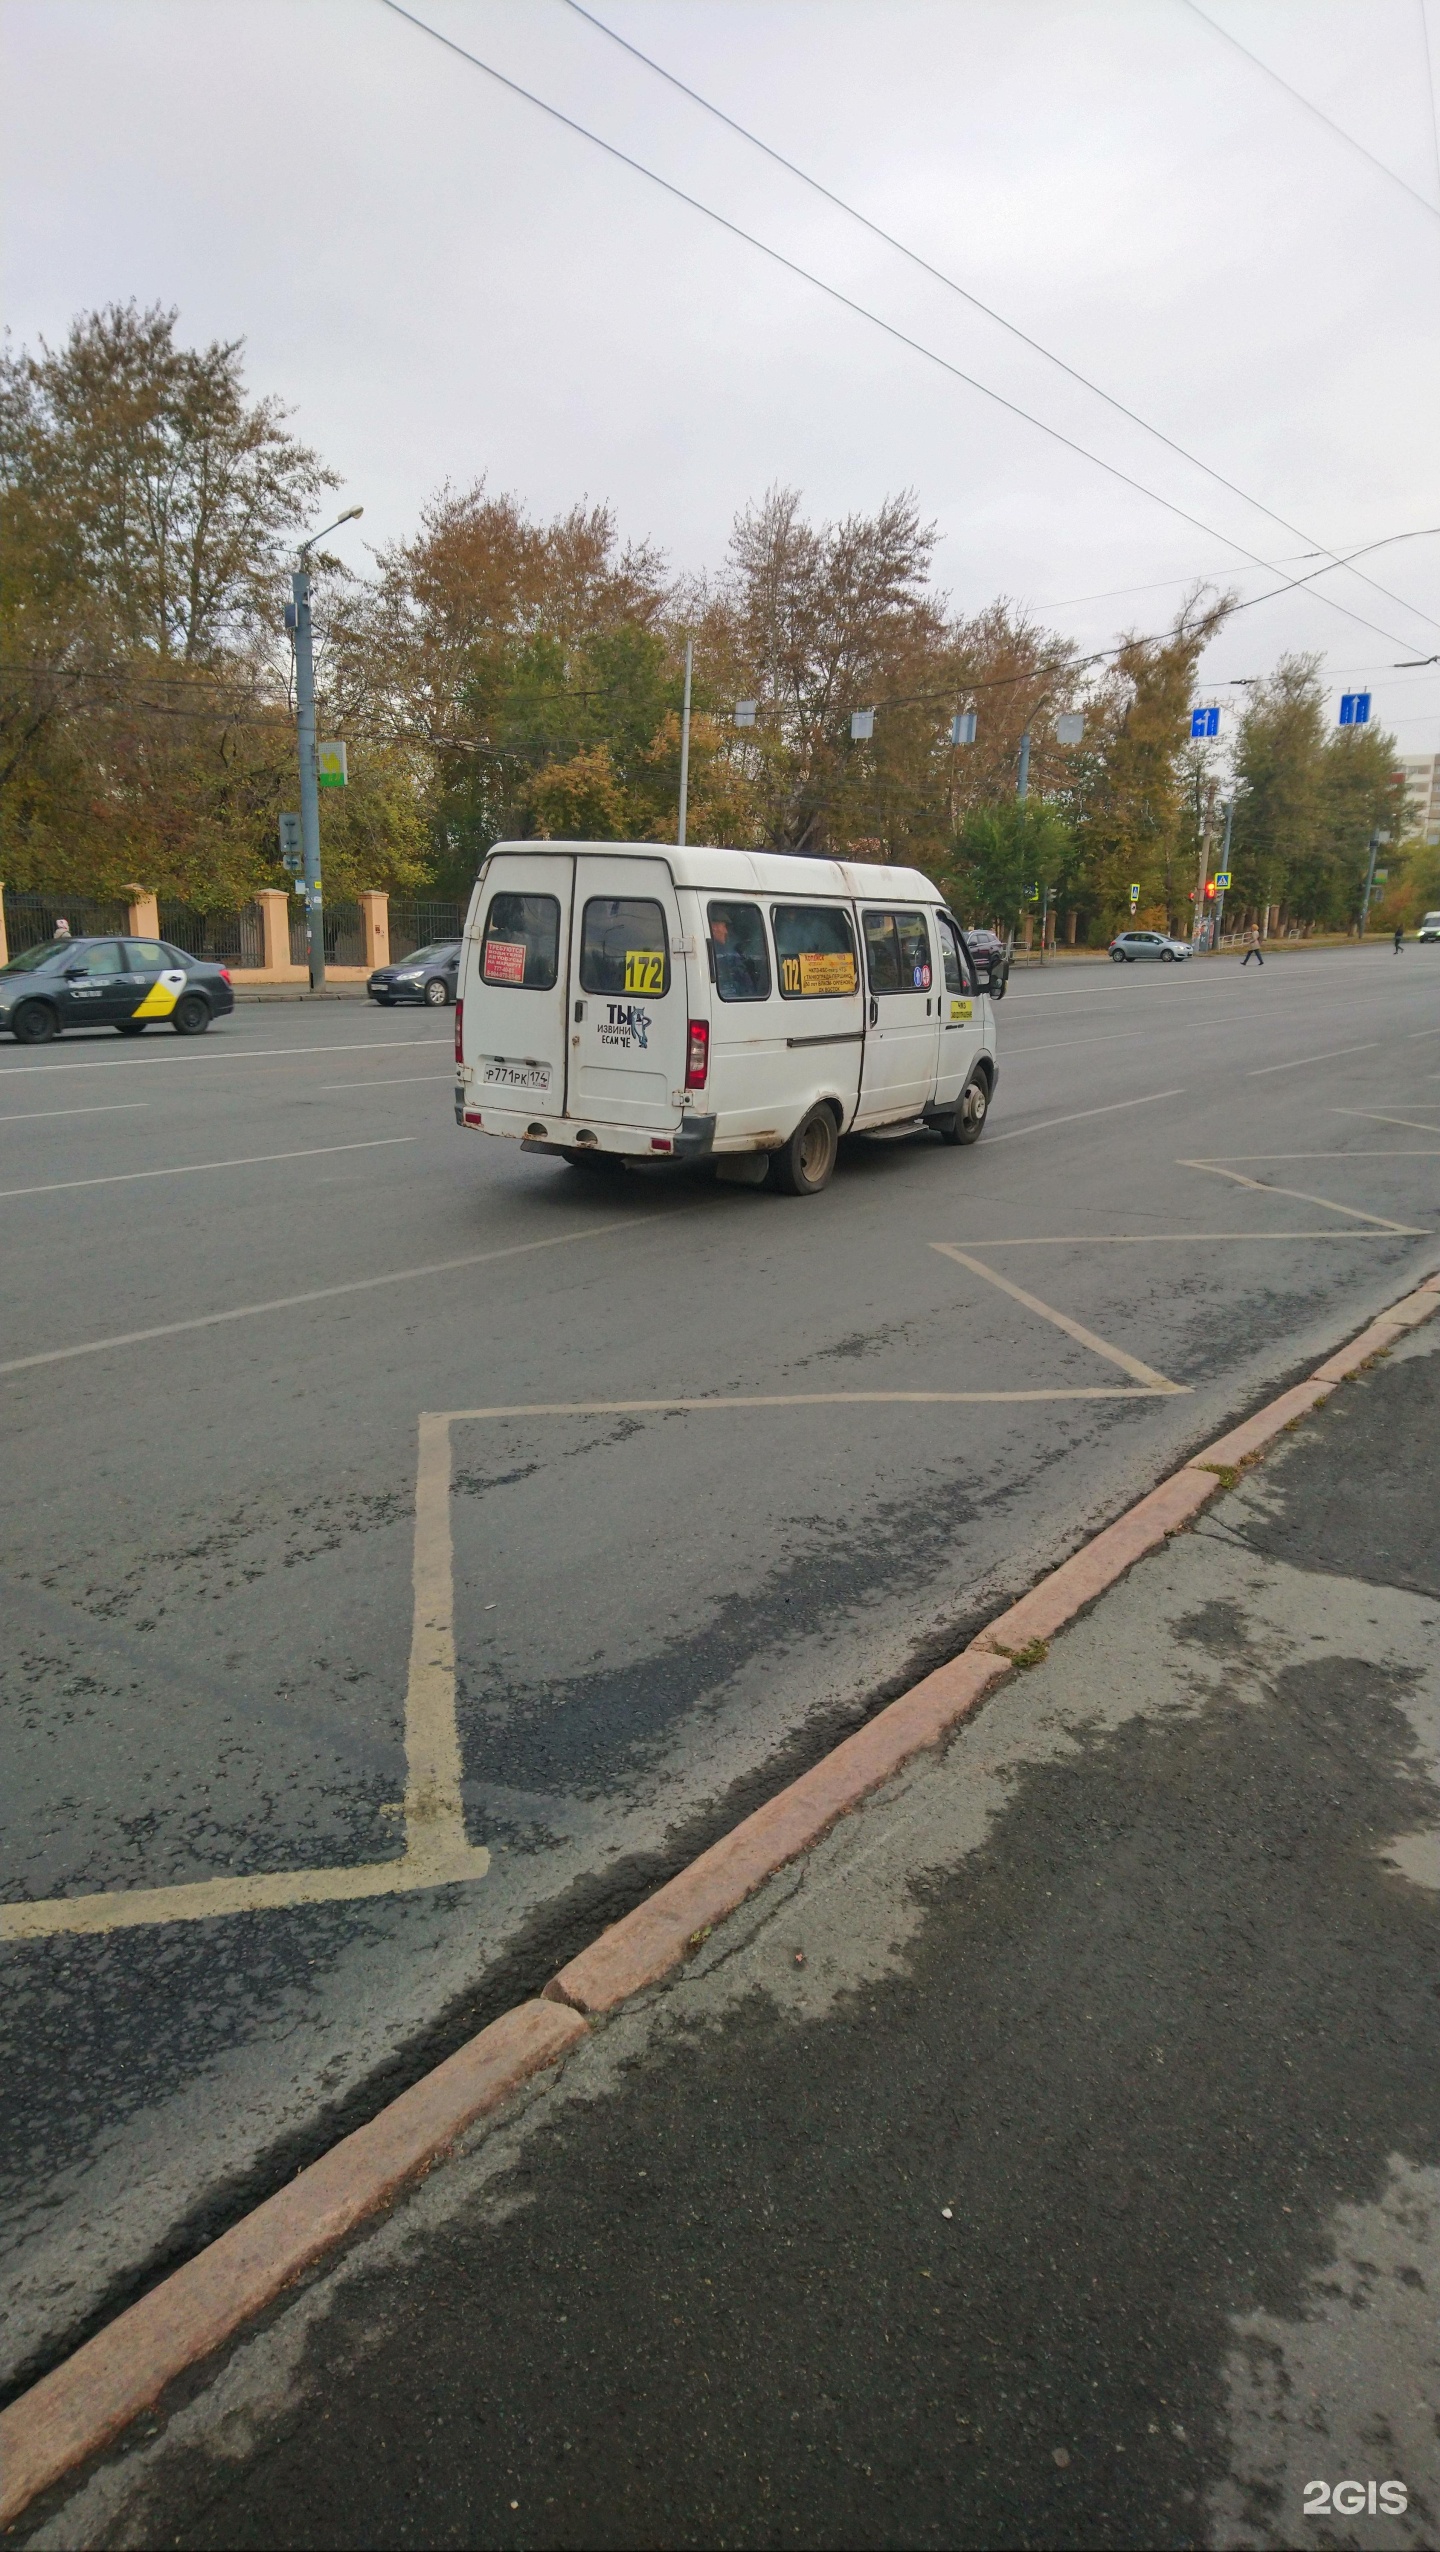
505, 961
645, 970
819, 971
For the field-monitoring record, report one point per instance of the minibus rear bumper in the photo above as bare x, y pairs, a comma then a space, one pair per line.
691, 1139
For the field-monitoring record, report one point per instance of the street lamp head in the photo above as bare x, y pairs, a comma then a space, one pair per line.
309, 542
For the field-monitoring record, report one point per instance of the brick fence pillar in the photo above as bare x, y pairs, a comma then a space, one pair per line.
144, 913
274, 927
375, 924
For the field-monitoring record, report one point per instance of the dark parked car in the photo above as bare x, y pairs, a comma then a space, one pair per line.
109, 983
992, 966
427, 974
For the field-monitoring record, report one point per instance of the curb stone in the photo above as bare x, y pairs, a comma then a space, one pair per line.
85, 2404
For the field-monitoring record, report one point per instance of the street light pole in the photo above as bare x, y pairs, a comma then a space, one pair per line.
685, 743
299, 619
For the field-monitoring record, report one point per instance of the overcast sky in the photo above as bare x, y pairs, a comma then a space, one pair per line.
443, 282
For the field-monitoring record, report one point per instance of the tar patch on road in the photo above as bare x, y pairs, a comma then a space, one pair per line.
1346, 1495
1147, 2040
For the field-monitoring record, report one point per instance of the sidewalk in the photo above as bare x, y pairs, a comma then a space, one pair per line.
1052, 2156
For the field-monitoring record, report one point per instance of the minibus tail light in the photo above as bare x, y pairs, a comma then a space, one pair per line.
697, 1063
459, 1029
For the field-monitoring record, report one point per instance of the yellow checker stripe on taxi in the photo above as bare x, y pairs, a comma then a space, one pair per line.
162, 996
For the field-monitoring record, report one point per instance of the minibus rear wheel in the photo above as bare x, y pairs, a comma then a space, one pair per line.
803, 1166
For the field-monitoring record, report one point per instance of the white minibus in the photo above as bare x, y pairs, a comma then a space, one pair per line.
745, 1007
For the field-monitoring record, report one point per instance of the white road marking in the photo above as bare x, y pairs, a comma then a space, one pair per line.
1328, 1056
1145, 1374
1044, 1127
186, 1169
401, 1081
1373, 1117
1107, 1240
1302, 1196
223, 1054
318, 1294
1372, 1152
109, 1107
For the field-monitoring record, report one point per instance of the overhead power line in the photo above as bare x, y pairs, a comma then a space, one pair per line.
938, 275
1317, 111
858, 308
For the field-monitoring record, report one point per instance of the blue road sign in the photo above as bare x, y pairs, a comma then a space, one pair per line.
1355, 709
1204, 722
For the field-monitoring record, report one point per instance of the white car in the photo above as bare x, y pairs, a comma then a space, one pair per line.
1430, 926
1128, 945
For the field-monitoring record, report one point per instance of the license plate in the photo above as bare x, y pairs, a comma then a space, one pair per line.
531, 1077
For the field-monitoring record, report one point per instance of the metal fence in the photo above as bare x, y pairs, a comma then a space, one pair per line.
228, 938
29, 919
415, 925
344, 934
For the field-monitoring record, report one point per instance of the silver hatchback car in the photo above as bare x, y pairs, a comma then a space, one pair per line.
1128, 945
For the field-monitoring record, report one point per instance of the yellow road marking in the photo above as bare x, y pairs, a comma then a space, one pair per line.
1373, 1117
1302, 1196
1146, 1374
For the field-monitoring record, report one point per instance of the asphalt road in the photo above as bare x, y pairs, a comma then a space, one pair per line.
210, 1531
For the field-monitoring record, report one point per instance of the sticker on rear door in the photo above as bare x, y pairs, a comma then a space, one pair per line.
645, 970
497, 1074
505, 961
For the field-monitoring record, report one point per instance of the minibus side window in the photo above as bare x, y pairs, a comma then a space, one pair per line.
624, 946
957, 973
897, 952
522, 942
742, 959
816, 949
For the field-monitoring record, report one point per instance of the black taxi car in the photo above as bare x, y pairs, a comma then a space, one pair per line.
109, 983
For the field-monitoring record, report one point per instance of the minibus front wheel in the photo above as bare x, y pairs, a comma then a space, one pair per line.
803, 1166
971, 1109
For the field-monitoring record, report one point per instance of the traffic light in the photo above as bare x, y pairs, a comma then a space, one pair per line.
1210, 890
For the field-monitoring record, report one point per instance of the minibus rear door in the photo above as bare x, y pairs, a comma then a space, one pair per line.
515, 988
628, 994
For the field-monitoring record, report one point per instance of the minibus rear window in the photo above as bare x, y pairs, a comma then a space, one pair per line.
816, 949
897, 952
742, 960
624, 946
522, 942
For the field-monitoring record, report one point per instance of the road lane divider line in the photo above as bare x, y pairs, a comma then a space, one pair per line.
401, 1081
1107, 1240
1075, 1329
1329, 1056
127, 2369
1372, 1152
104, 1107
224, 1054
1302, 1196
321, 1294
1113, 1109
1372, 1116
187, 1169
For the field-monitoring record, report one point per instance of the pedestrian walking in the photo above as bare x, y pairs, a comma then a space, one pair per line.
1252, 945
1399, 937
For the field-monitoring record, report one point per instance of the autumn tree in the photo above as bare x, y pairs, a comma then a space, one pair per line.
1127, 785
1312, 797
